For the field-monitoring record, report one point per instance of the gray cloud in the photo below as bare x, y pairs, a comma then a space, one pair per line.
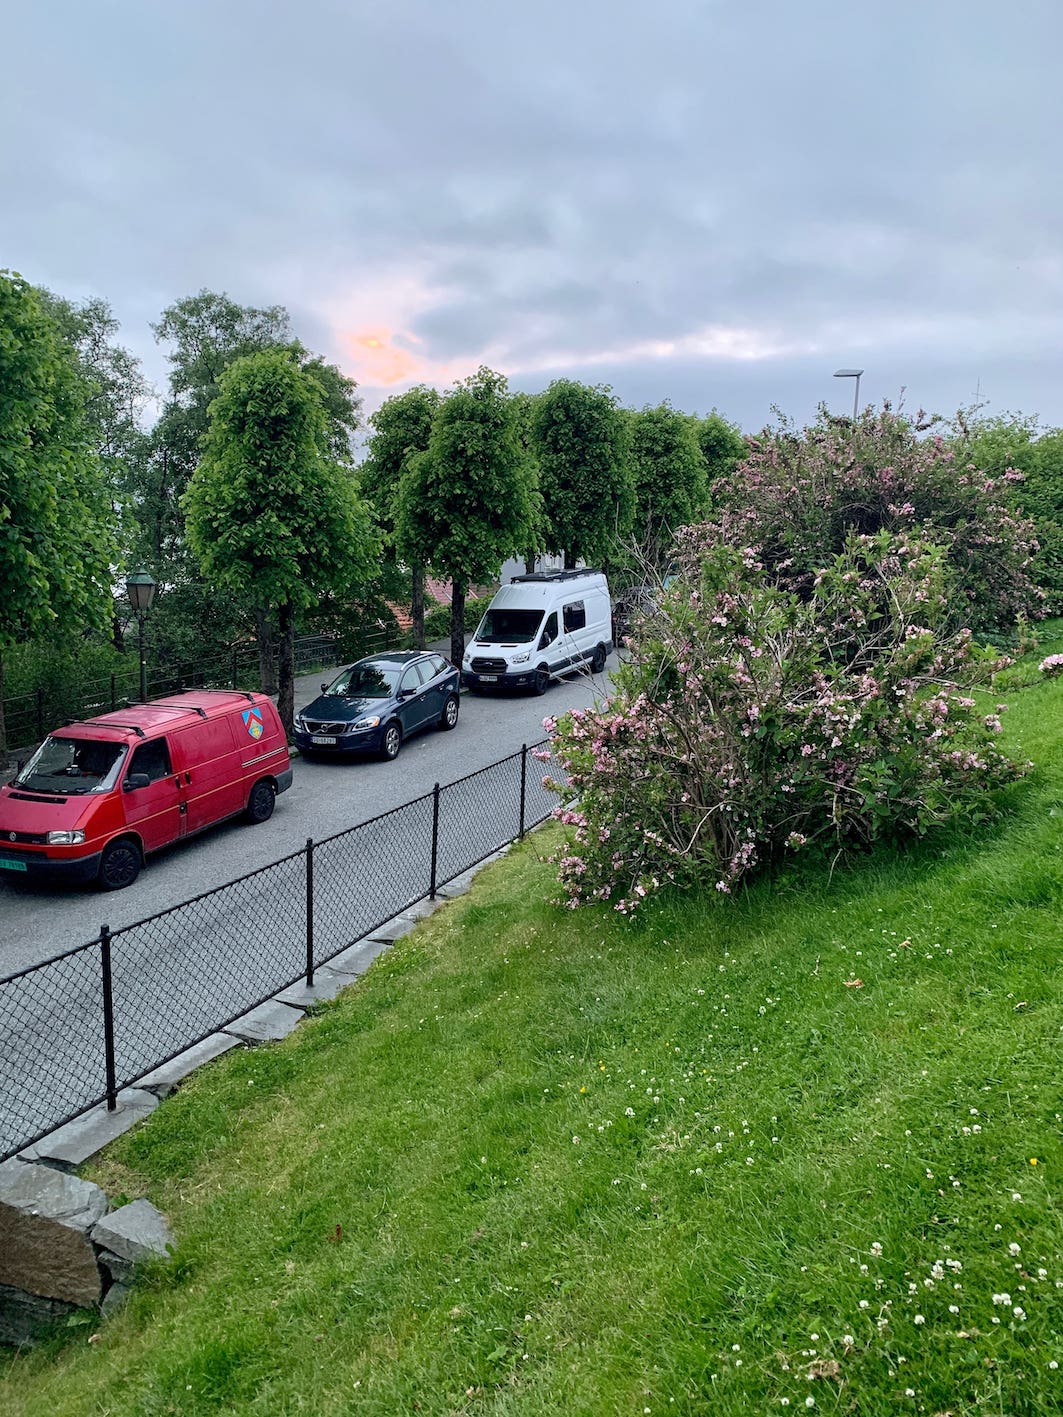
713, 202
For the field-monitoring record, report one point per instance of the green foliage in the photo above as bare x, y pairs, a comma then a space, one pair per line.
581, 441
1027, 462
671, 487
799, 495
270, 515
748, 721
722, 446
56, 542
468, 501
400, 428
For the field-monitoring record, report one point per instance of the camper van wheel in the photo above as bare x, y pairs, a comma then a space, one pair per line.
261, 802
540, 680
119, 865
598, 660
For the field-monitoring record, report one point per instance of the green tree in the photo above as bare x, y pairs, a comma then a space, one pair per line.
117, 395
722, 446
271, 514
205, 334
468, 501
1028, 462
401, 428
671, 488
582, 444
56, 544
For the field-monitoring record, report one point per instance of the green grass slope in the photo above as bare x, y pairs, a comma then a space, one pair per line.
800, 1149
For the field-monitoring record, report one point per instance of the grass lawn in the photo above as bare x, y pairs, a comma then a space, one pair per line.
796, 1150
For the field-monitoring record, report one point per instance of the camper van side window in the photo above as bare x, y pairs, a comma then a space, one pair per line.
575, 614
152, 758
549, 634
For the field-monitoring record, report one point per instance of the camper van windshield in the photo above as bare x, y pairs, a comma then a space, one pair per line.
73, 767
507, 626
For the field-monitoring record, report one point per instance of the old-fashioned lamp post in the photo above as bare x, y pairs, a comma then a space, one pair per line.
140, 588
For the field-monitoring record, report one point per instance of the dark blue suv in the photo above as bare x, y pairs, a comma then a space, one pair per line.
372, 706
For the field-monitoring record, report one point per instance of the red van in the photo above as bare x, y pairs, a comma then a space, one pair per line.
98, 796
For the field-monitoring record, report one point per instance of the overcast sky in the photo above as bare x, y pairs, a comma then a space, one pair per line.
717, 202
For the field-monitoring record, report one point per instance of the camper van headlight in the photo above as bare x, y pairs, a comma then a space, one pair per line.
522, 658
65, 838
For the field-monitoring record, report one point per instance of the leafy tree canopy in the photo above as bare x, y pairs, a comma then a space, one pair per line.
671, 487
56, 545
468, 501
271, 514
582, 441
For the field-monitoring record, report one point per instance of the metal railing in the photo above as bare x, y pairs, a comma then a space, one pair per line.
78, 1028
28, 717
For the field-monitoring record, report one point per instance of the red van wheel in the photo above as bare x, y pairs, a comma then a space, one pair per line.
261, 802
119, 865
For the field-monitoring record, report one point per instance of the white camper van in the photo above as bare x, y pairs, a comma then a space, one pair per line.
539, 627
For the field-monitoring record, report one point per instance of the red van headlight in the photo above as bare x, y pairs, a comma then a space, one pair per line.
65, 838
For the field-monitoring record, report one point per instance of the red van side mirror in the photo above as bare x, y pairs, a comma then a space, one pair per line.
135, 780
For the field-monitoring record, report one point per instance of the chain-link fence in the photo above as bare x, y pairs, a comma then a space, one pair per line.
76, 1029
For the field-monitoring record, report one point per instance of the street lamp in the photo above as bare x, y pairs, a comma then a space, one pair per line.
140, 588
851, 374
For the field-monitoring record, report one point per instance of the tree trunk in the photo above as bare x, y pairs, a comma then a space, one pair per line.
570, 559
117, 633
457, 623
417, 604
286, 685
530, 559
264, 635
3, 725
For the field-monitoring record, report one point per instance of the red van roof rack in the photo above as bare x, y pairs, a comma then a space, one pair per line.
179, 708
99, 723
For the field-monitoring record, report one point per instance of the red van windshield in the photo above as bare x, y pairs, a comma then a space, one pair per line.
73, 766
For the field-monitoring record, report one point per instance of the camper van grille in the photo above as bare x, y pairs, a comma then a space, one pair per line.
489, 666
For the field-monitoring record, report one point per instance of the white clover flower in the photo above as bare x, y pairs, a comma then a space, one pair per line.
1014, 1249
919, 1319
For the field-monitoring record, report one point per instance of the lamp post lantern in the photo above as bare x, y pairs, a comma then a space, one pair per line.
851, 374
140, 589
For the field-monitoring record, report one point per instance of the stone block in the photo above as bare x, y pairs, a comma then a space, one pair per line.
162, 1081
327, 984
134, 1232
23, 1317
391, 930
119, 1270
42, 1254
71, 1145
269, 1022
116, 1296
356, 959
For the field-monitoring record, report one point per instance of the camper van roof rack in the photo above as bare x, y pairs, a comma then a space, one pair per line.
548, 576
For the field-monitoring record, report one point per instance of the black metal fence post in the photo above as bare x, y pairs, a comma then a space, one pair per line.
523, 784
40, 713
435, 840
114, 695
310, 912
108, 1017
234, 675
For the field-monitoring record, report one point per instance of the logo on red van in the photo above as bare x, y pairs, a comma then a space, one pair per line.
253, 722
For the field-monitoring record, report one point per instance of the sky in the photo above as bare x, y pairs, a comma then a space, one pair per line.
714, 202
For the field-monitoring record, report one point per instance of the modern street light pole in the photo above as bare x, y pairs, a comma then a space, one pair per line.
851, 374
140, 589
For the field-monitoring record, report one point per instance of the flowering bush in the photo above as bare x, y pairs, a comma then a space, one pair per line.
798, 496
749, 721
1052, 666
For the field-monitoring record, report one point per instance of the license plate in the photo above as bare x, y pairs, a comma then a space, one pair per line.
6, 864
488, 678
324, 742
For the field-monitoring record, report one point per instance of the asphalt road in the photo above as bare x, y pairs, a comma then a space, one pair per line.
37, 922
